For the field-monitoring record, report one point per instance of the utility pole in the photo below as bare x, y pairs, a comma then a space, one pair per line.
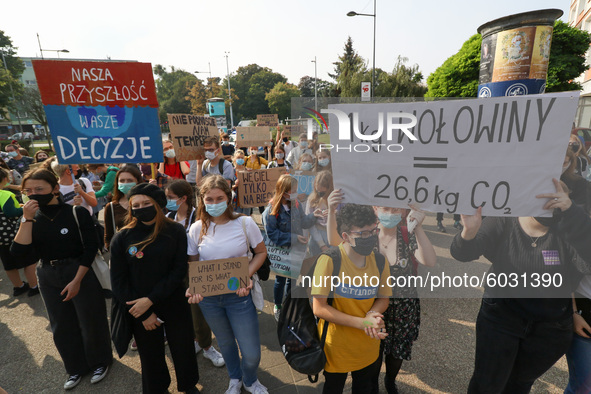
229, 92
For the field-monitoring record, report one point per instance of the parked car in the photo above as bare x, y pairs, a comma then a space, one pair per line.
22, 136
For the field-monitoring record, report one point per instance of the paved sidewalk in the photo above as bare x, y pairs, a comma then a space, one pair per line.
442, 357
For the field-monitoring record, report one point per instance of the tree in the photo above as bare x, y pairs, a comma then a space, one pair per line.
9, 79
172, 90
32, 104
567, 57
325, 88
251, 84
348, 65
458, 75
279, 98
404, 81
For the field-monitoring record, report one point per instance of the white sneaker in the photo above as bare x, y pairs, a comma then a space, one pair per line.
73, 381
276, 312
197, 348
214, 356
256, 388
234, 386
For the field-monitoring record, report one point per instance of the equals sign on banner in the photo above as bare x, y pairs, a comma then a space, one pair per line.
430, 162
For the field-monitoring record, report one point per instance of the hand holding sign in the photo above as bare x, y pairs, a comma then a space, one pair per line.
471, 224
560, 199
193, 298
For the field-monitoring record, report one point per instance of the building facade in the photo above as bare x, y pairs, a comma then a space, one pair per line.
580, 17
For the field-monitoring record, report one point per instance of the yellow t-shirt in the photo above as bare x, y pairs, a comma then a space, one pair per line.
350, 349
257, 163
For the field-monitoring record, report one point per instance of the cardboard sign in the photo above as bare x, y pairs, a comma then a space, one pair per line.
188, 134
268, 120
256, 188
101, 112
498, 153
294, 129
285, 261
253, 136
305, 181
214, 277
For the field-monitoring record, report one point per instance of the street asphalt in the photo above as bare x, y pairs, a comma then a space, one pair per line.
442, 358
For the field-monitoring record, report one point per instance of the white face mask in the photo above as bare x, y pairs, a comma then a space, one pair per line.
210, 155
280, 155
170, 154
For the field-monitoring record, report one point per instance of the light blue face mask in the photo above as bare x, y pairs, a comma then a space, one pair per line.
389, 220
240, 162
324, 162
216, 210
171, 205
125, 187
307, 166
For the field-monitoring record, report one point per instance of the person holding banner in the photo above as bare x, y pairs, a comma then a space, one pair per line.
115, 214
284, 141
239, 160
73, 296
284, 221
148, 265
220, 233
521, 331
171, 167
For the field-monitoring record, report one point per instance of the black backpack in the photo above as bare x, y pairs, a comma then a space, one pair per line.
297, 329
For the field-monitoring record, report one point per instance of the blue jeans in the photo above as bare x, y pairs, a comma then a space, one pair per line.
232, 319
279, 288
245, 211
579, 365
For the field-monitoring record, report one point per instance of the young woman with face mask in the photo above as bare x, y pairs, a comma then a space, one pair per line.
280, 158
71, 292
125, 179
219, 233
148, 267
306, 162
254, 161
284, 220
239, 161
521, 331
582, 160
323, 186
172, 167
580, 188
323, 161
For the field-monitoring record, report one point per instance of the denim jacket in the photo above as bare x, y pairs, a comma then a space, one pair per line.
279, 228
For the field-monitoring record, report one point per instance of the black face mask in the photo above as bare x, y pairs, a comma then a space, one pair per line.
321, 194
42, 199
284, 139
549, 221
146, 214
575, 147
364, 246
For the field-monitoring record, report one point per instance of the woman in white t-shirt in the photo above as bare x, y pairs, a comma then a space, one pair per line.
219, 233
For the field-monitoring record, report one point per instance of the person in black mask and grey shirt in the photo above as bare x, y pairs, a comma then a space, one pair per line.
71, 292
521, 330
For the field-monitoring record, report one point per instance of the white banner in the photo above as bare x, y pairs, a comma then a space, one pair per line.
497, 152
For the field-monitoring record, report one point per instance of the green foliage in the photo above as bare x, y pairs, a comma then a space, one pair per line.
458, 75
567, 57
172, 90
251, 84
32, 104
349, 72
9, 78
403, 81
325, 88
279, 99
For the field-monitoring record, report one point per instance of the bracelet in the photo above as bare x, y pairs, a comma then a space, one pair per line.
368, 312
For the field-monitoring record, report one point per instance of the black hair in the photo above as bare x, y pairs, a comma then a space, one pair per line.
354, 215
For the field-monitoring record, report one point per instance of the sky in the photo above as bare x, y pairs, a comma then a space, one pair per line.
285, 36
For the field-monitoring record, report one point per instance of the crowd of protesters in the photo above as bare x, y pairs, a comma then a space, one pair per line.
157, 217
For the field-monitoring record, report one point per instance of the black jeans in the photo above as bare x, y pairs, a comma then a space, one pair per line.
176, 314
511, 351
80, 327
363, 379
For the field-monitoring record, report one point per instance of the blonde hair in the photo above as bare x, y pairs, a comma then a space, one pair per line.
323, 178
284, 185
159, 224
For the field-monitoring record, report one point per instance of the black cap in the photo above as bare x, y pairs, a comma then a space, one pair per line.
149, 190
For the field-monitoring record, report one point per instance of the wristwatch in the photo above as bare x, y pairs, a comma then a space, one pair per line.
24, 219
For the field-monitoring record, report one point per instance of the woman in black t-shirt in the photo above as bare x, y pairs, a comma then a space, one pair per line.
71, 292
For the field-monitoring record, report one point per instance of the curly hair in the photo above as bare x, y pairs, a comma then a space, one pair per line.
354, 215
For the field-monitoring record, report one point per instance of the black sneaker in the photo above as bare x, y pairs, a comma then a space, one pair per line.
99, 374
16, 291
440, 227
33, 291
194, 390
72, 382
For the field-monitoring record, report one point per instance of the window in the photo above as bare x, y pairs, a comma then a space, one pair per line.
30, 82
28, 64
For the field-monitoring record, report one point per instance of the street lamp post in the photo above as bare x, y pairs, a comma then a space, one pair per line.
315, 84
373, 75
229, 92
50, 50
210, 81
18, 117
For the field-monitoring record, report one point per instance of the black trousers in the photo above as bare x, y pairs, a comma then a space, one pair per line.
363, 379
440, 217
80, 327
511, 351
176, 314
